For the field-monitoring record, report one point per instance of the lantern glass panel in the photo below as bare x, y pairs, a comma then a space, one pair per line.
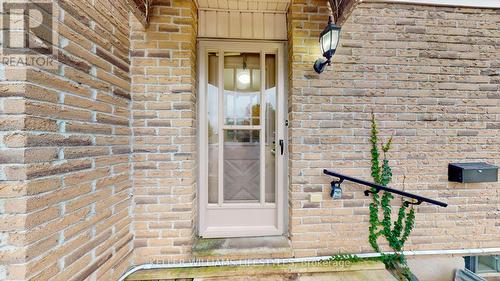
325, 42
335, 39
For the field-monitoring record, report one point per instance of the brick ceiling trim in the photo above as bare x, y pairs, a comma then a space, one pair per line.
341, 9
140, 9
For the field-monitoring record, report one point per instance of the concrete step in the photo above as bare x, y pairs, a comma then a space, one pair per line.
243, 248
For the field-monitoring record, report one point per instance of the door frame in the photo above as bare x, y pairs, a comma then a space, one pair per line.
204, 229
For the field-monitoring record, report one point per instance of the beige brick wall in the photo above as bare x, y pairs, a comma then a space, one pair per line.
65, 153
12, 120
164, 132
430, 74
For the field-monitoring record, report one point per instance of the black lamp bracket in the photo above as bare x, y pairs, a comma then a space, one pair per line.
335, 184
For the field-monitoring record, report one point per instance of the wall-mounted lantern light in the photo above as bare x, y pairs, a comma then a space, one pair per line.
336, 192
328, 41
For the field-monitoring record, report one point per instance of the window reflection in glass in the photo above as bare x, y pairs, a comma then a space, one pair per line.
271, 145
242, 88
213, 126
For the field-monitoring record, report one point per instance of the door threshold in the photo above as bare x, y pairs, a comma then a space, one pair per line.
243, 248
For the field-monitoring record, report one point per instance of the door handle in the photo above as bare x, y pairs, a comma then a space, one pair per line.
282, 146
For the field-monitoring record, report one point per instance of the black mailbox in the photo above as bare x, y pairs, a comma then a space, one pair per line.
472, 172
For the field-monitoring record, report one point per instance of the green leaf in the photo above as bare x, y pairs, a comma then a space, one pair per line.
375, 169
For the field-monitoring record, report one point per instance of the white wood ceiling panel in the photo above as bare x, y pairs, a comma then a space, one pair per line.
258, 25
245, 5
280, 27
223, 5
242, 5
211, 23
272, 6
203, 3
246, 21
222, 24
253, 5
269, 26
232, 4
235, 24
243, 19
282, 6
242, 25
213, 4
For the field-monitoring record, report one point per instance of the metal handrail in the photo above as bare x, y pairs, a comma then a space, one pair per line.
379, 187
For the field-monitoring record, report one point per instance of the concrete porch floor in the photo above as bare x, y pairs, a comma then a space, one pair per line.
243, 248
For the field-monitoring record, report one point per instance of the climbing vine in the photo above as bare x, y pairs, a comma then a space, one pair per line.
396, 233
346, 257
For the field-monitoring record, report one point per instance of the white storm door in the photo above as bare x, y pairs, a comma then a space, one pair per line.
241, 121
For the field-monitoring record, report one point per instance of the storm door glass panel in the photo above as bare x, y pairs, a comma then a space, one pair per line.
241, 166
271, 147
241, 89
213, 126
241, 129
